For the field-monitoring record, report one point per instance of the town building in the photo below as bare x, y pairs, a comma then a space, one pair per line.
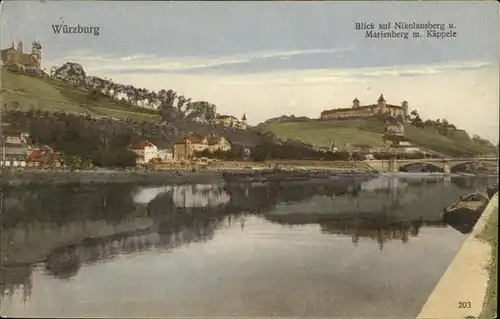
394, 126
218, 143
357, 110
186, 147
362, 148
232, 121
165, 155
43, 157
16, 56
15, 145
404, 147
17, 150
145, 150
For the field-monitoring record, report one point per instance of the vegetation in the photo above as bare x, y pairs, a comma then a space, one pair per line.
81, 142
428, 135
490, 234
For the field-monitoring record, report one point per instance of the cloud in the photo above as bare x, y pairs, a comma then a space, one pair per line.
151, 63
112, 65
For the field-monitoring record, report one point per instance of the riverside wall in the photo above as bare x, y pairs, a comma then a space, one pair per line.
184, 176
461, 291
22, 178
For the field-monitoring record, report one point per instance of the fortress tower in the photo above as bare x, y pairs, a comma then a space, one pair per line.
355, 103
404, 105
382, 106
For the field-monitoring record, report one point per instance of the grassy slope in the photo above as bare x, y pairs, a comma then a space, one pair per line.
323, 133
55, 95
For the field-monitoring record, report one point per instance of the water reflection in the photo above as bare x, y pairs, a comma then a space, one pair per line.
380, 231
16, 278
63, 229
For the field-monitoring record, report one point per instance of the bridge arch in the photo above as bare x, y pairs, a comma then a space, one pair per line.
422, 166
460, 166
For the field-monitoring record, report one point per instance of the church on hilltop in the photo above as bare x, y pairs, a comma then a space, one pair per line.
16, 56
358, 110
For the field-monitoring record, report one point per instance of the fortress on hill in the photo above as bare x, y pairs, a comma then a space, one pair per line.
13, 56
357, 110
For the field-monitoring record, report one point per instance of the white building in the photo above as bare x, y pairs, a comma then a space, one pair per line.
165, 154
145, 150
232, 121
218, 143
404, 147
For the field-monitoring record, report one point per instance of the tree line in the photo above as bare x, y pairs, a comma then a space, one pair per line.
171, 105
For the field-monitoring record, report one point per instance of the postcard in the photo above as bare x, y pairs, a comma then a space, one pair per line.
333, 159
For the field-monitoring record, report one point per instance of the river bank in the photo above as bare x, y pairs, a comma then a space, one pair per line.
463, 290
490, 235
158, 177
27, 178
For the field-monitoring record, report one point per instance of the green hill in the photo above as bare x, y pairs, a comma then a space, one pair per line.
369, 132
21, 92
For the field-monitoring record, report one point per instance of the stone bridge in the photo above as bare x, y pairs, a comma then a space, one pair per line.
446, 165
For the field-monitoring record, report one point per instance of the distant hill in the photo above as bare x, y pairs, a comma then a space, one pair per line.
369, 132
287, 118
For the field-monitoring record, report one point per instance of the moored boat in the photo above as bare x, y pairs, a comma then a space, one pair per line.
492, 190
465, 211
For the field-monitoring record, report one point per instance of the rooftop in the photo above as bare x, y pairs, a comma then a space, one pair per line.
141, 145
192, 138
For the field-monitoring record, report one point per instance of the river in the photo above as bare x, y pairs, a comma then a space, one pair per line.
375, 249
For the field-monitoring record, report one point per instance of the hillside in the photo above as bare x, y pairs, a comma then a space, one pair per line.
23, 93
369, 132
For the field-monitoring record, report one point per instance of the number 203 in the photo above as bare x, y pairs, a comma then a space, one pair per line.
464, 304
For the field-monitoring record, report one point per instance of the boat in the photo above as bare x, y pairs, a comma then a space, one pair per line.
472, 202
464, 213
492, 190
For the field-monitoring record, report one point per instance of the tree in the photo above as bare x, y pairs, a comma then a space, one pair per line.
237, 151
48, 158
94, 95
220, 154
76, 162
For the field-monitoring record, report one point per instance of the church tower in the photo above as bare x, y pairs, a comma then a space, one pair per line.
355, 103
244, 121
382, 106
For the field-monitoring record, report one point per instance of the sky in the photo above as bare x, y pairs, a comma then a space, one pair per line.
267, 59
